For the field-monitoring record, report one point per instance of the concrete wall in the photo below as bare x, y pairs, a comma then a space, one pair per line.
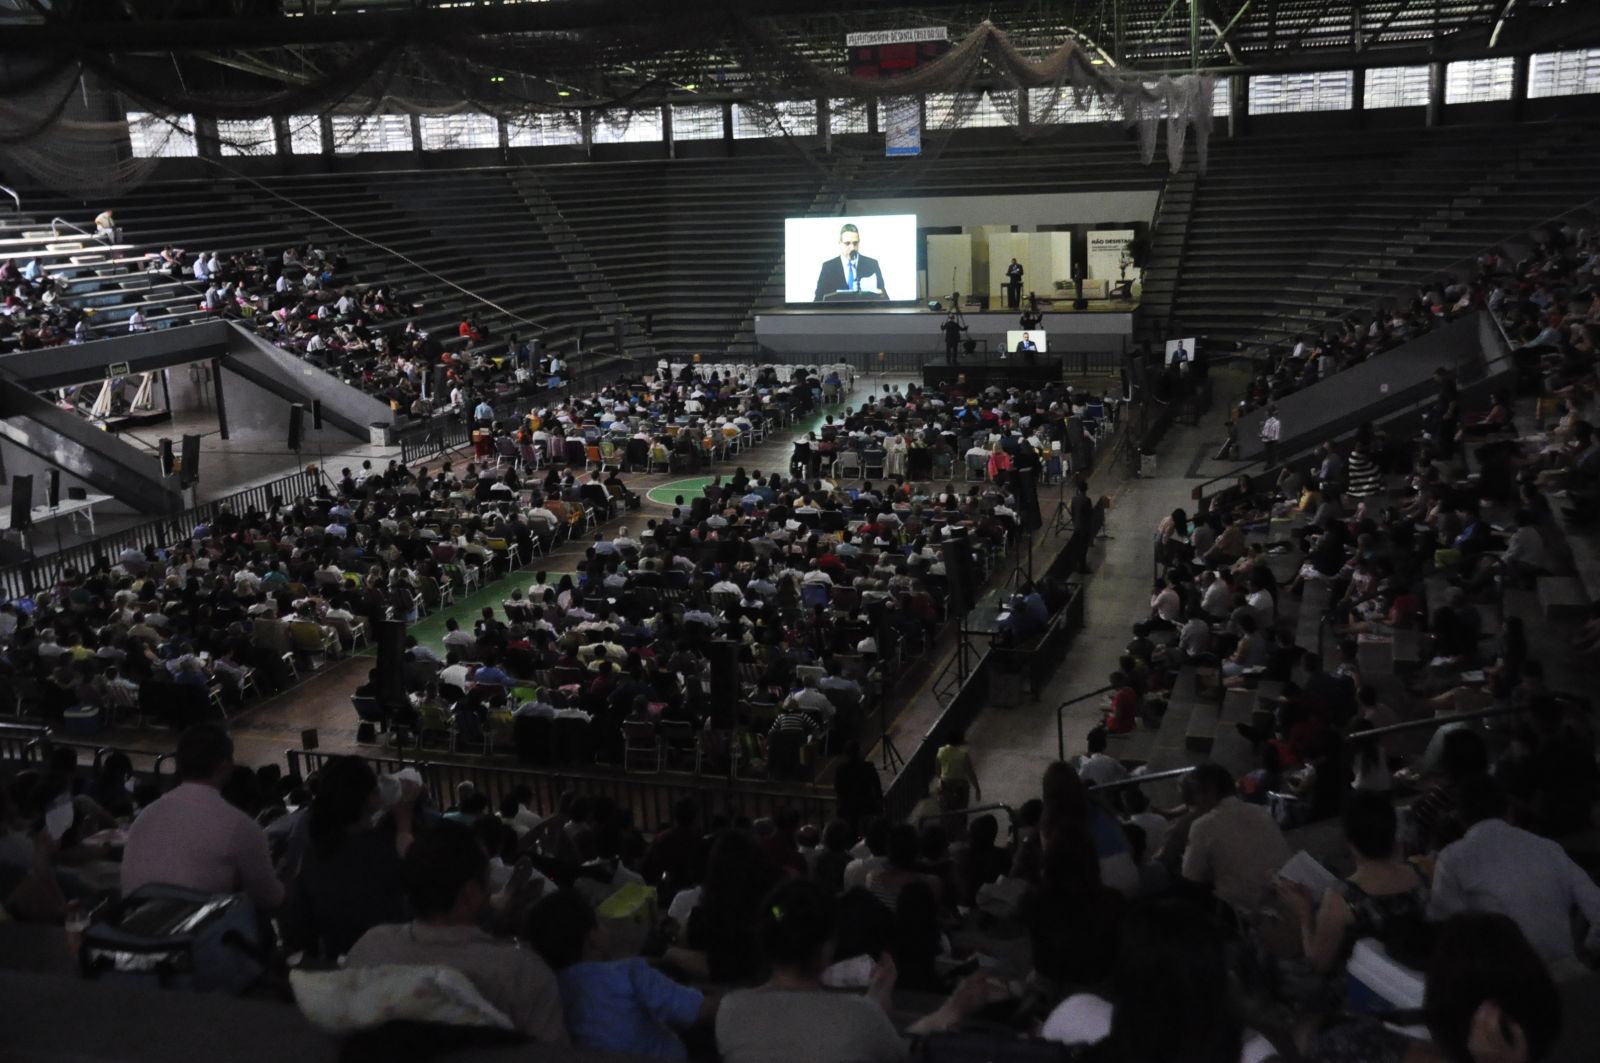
77, 363
350, 409
66, 441
20, 462
1025, 212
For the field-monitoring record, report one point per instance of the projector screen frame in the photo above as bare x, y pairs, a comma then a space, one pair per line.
887, 241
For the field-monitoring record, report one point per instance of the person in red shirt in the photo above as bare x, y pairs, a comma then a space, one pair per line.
1123, 715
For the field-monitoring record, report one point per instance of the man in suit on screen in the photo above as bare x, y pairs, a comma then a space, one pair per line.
851, 271
1027, 348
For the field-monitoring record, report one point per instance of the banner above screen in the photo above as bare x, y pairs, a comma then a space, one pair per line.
862, 259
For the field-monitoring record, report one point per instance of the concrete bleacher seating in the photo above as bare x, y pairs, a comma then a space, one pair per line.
1081, 164
688, 242
1562, 598
1285, 234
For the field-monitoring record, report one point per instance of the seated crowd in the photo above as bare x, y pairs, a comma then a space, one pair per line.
174, 633
775, 940
1410, 559
824, 590
33, 311
931, 434
668, 421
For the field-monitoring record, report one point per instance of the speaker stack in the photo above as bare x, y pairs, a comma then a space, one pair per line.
21, 503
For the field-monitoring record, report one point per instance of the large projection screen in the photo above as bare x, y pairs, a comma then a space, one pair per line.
1037, 336
884, 260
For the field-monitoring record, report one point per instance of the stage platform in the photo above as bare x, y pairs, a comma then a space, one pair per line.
975, 373
916, 329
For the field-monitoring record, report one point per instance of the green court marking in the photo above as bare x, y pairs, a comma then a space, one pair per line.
689, 489
430, 629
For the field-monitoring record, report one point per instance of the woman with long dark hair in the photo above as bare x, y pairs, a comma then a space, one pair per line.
350, 880
722, 927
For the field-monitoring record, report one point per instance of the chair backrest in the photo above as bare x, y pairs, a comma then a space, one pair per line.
305, 635
534, 739
639, 734
574, 740
676, 732
488, 694
468, 727
367, 708
270, 634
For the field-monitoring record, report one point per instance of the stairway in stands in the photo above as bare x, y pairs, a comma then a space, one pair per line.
1169, 234
582, 269
1288, 234
688, 242
828, 202
506, 257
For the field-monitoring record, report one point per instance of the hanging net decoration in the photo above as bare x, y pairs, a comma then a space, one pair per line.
538, 84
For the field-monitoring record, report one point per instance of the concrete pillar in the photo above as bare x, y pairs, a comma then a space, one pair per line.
1519, 84
222, 407
1434, 115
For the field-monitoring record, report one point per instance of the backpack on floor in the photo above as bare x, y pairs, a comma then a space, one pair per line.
177, 938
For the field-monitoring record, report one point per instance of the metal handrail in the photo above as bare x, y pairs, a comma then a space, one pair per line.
12, 192
1140, 780
54, 231
1429, 721
1061, 736
1198, 493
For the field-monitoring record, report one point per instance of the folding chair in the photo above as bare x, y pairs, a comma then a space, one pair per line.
680, 743
639, 742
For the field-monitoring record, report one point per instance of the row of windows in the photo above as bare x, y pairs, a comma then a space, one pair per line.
1470, 81
1570, 73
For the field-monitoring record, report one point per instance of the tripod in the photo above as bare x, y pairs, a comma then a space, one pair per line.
1061, 521
891, 759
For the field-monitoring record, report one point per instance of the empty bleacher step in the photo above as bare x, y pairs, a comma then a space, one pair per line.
1201, 733
1562, 598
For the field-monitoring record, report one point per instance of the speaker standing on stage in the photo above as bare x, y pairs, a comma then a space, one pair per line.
953, 328
851, 271
1014, 284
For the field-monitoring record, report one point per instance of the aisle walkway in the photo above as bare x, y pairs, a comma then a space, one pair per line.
1011, 747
